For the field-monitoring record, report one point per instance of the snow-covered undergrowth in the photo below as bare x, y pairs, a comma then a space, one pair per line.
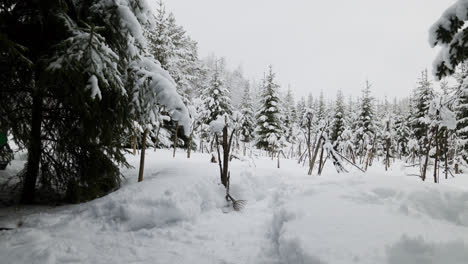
178, 215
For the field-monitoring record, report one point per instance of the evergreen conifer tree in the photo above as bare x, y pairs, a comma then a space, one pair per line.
338, 125
365, 129
82, 68
248, 122
289, 116
269, 129
216, 97
422, 97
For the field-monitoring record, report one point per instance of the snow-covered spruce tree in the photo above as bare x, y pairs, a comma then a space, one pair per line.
74, 132
461, 110
307, 125
300, 138
177, 53
310, 101
347, 145
422, 97
450, 34
365, 127
338, 125
387, 134
320, 107
269, 129
300, 108
402, 134
216, 97
160, 41
247, 127
289, 116
197, 112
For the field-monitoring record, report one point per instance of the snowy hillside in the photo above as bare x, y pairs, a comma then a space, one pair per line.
178, 215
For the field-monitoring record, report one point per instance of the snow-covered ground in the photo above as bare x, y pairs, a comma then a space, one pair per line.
178, 215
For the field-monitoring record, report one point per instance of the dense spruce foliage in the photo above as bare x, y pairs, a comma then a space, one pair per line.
81, 80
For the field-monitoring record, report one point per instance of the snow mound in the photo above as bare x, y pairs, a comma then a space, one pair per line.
418, 251
353, 221
156, 203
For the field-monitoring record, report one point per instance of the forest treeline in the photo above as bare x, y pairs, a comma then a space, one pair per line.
85, 82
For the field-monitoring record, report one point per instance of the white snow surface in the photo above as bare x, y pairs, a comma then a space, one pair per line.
178, 215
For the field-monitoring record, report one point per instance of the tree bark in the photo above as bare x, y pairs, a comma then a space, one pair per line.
219, 161
34, 151
189, 145
436, 158
142, 156
300, 152
279, 159
387, 141
309, 144
201, 144
225, 156
424, 169
312, 161
134, 144
320, 162
446, 153
370, 156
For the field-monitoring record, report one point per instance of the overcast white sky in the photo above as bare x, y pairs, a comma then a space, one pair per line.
316, 45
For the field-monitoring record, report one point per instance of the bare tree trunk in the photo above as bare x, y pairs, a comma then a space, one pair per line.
224, 164
279, 154
436, 159
201, 144
309, 145
368, 160
446, 153
353, 156
424, 169
189, 149
175, 139
226, 149
211, 145
387, 143
323, 164
320, 162
370, 156
220, 163
134, 143
373, 151
245, 149
142, 156
351, 162
34, 151
312, 161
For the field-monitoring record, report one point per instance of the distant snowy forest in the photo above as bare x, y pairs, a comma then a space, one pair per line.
84, 82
